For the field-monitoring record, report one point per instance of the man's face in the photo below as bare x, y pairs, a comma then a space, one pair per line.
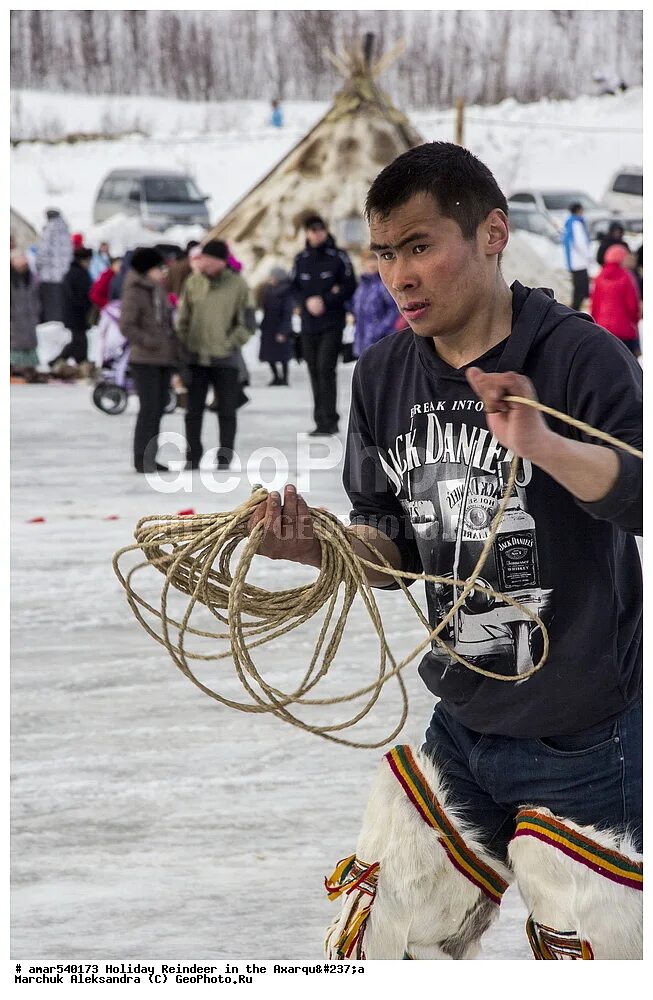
316, 236
104, 248
438, 278
210, 266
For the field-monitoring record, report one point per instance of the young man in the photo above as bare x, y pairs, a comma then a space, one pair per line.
429, 446
215, 319
576, 245
323, 281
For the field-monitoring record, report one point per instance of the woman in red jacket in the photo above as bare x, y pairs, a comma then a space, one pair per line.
616, 305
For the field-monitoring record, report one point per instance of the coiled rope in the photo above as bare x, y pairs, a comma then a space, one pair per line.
194, 553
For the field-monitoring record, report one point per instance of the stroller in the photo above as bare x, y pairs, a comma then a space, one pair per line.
114, 385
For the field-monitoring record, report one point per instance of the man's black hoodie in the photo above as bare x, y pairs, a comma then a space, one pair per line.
422, 466
326, 271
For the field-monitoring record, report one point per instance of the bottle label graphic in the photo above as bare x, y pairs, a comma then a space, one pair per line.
515, 546
516, 554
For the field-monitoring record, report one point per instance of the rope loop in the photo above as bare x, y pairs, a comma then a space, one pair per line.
195, 555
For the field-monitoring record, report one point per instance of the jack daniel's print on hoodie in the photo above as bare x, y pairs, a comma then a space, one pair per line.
450, 476
422, 466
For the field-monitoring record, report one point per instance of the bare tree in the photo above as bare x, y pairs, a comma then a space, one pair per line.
482, 56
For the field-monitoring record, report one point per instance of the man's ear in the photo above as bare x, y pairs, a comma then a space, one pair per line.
495, 233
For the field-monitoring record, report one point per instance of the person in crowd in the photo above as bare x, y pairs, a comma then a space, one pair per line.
100, 293
277, 303
77, 306
179, 270
613, 237
243, 371
630, 263
616, 304
24, 311
375, 311
276, 117
100, 261
52, 260
576, 246
146, 322
215, 318
118, 280
324, 282
77, 240
194, 255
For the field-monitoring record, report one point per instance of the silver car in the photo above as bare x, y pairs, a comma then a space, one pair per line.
554, 204
161, 198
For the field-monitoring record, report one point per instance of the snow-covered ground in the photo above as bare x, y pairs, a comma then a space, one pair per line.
147, 819
228, 147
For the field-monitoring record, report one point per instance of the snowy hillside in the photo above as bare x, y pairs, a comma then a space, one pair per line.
229, 146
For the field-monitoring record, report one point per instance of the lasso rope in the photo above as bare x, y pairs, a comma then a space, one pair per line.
194, 554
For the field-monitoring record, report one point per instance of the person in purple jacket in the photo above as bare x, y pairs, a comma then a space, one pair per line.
373, 307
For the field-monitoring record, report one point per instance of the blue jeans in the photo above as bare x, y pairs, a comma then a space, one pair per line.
592, 777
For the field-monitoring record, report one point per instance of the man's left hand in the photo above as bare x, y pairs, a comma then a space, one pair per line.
515, 425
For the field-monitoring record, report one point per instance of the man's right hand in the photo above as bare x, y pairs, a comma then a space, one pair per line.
288, 531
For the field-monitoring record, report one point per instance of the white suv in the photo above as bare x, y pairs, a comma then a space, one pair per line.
625, 191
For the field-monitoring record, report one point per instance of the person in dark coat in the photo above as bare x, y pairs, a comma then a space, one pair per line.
614, 237
76, 307
146, 322
277, 340
323, 280
24, 313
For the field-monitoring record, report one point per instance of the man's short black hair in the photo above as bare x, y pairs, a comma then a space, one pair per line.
575, 207
463, 188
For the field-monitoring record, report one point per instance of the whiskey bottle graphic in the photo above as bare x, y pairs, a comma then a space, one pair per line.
515, 547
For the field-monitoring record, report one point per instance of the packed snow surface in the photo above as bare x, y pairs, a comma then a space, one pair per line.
148, 820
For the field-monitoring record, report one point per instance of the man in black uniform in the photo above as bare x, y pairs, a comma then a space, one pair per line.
323, 280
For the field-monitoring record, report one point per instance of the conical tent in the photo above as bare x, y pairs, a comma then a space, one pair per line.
328, 172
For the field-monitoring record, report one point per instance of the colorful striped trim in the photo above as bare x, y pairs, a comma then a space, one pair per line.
350, 943
416, 787
612, 865
351, 875
548, 943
